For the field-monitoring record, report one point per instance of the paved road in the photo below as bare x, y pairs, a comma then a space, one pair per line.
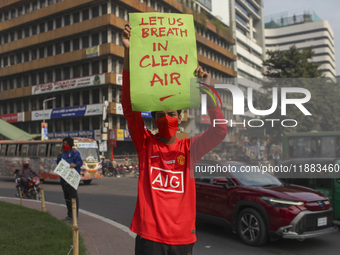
115, 198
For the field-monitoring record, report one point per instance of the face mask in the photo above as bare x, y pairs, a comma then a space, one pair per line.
66, 147
167, 126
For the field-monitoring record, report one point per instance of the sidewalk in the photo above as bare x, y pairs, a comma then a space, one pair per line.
102, 236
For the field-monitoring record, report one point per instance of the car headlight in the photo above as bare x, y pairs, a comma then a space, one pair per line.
281, 202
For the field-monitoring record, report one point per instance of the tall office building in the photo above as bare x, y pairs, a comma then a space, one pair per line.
246, 18
303, 30
61, 60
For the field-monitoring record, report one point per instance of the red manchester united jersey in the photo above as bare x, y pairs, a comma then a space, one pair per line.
166, 203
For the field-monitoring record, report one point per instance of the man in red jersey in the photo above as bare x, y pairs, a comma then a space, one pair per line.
165, 214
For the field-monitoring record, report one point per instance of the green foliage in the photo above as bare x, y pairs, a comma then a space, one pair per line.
28, 231
323, 104
292, 63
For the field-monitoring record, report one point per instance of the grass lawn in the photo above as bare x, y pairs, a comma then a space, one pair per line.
27, 231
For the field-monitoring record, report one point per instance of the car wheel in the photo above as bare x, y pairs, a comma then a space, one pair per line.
251, 227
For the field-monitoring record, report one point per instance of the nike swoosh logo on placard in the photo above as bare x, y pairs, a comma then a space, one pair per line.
154, 156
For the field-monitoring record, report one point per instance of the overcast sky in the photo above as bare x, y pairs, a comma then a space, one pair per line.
326, 9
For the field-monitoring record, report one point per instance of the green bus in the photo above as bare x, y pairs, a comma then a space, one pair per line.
315, 151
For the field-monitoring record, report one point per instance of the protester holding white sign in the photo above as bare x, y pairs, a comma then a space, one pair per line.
69, 178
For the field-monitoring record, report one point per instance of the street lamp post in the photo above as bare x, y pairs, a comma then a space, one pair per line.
46, 100
44, 125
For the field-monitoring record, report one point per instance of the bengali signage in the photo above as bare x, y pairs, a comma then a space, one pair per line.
92, 134
13, 117
75, 111
68, 84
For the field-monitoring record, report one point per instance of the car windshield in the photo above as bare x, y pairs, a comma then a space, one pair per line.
88, 154
254, 177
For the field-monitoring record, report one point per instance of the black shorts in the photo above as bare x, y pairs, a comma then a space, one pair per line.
147, 247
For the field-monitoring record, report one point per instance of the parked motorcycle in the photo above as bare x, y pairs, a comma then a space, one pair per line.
32, 190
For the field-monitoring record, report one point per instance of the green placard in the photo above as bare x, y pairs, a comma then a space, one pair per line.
163, 58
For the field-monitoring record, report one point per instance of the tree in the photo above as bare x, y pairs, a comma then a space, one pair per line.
297, 65
292, 63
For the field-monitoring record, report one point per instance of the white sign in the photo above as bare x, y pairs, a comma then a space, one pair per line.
119, 79
94, 109
70, 175
119, 109
103, 146
69, 84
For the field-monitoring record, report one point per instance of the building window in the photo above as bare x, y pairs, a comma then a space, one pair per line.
58, 101
104, 66
104, 9
58, 74
95, 67
96, 120
58, 48
76, 124
67, 101
19, 58
121, 13
42, 3
50, 25
19, 35
86, 97
41, 78
104, 36
76, 71
12, 35
75, 44
49, 50
18, 106
76, 17
27, 8
42, 27
26, 56
66, 46
34, 54
33, 79
6, 38
95, 39
67, 20
86, 123
41, 52
66, 72
19, 10
19, 82
35, 5
27, 31
58, 125
85, 14
11, 60
11, 83
58, 22
85, 41
113, 36
76, 100
95, 11
26, 80
34, 29
85, 68
49, 76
